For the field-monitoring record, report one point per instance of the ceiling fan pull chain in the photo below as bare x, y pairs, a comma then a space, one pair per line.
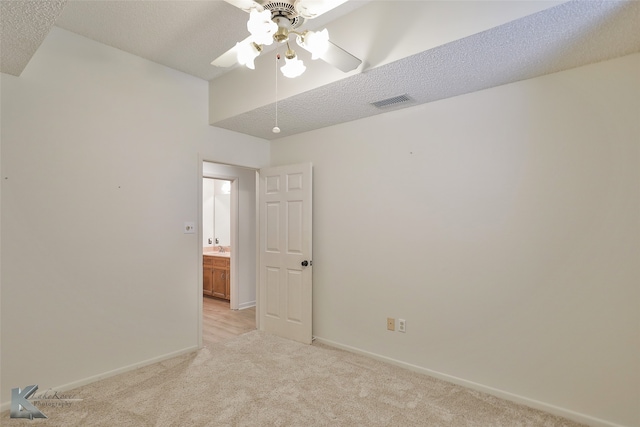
276, 129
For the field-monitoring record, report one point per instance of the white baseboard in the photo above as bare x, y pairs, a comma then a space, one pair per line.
66, 387
246, 305
555, 410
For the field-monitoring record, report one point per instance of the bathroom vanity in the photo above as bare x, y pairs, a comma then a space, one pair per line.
215, 274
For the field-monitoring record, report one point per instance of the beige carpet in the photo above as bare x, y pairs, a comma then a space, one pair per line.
260, 380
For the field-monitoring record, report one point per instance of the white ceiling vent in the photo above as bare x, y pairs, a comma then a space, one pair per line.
392, 101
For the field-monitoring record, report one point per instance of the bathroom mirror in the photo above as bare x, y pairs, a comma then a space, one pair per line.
222, 219
216, 215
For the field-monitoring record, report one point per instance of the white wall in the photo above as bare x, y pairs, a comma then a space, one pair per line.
100, 164
503, 226
246, 253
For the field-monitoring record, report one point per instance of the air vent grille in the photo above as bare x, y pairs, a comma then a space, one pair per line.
392, 101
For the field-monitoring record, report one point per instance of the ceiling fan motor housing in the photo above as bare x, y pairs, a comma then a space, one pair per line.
284, 10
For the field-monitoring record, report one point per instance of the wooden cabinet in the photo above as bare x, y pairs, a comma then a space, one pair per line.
207, 275
215, 277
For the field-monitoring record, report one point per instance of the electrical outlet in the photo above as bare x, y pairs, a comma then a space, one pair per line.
402, 325
391, 323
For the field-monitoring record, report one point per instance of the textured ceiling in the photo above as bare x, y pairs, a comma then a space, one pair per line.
188, 35
172, 33
24, 25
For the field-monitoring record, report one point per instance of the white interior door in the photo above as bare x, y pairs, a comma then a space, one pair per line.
285, 251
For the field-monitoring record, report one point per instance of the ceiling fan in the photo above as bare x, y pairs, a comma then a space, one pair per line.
277, 21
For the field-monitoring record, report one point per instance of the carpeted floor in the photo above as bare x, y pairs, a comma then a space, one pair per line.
258, 379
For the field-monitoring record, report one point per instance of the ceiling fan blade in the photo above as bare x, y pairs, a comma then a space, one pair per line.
310, 9
227, 59
339, 58
230, 57
245, 5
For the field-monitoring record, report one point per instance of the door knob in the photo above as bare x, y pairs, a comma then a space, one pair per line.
306, 263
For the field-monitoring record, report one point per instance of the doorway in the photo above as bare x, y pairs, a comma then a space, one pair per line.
228, 198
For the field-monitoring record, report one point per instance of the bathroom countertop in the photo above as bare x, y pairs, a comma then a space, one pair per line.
218, 254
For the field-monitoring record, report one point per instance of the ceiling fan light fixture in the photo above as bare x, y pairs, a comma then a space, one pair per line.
281, 35
316, 42
277, 20
261, 27
247, 53
293, 67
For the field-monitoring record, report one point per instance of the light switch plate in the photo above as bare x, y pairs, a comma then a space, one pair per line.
189, 228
